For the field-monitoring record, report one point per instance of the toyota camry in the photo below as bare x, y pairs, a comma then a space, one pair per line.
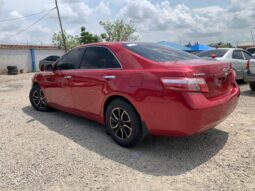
135, 89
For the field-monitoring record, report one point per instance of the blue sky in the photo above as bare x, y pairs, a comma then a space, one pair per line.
179, 21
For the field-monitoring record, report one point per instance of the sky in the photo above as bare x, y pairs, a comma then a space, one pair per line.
181, 21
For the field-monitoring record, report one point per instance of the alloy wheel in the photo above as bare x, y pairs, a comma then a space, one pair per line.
39, 99
120, 123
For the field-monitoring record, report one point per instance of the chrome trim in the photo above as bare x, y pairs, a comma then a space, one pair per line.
198, 74
67, 77
109, 77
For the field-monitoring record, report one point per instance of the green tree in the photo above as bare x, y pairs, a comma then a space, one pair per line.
118, 31
71, 41
86, 37
221, 45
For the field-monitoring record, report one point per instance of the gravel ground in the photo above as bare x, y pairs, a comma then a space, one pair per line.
59, 151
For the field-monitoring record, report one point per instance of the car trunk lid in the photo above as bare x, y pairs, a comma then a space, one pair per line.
219, 76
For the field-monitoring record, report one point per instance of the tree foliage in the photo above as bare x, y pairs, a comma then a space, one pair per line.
118, 31
86, 37
221, 45
71, 41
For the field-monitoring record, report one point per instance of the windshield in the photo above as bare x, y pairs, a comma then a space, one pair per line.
158, 52
251, 50
216, 53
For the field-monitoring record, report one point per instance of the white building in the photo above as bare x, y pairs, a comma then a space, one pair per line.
23, 56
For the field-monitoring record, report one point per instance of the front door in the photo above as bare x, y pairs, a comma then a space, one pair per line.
57, 83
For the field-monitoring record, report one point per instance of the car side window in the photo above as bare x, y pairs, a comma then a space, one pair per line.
247, 56
54, 58
99, 58
71, 60
237, 54
49, 58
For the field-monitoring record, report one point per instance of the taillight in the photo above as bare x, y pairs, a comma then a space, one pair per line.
185, 84
248, 65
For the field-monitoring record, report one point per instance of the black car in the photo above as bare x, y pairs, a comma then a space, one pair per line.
48, 60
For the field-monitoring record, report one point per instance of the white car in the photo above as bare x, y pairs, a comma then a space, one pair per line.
236, 56
249, 74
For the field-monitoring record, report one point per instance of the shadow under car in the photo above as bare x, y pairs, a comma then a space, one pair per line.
158, 156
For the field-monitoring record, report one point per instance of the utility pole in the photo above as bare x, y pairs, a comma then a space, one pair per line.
60, 23
252, 35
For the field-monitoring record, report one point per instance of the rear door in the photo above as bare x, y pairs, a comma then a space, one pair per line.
58, 93
98, 72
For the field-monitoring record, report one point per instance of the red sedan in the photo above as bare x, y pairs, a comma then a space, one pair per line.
138, 88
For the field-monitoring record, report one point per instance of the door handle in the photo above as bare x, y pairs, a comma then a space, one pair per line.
109, 77
67, 77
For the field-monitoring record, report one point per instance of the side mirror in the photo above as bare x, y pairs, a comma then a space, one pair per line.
42, 68
48, 68
214, 55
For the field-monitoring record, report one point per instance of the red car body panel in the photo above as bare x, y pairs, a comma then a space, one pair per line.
164, 112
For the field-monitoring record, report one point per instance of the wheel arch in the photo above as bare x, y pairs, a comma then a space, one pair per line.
145, 130
35, 84
114, 97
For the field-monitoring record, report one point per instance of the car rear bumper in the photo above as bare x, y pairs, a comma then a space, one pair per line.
188, 115
248, 77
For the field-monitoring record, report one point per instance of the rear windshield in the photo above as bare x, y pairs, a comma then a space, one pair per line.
217, 53
251, 50
158, 53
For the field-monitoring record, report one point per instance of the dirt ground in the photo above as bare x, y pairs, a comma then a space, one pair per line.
59, 151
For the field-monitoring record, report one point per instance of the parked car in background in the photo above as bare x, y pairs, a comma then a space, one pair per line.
236, 56
251, 50
47, 60
249, 74
138, 88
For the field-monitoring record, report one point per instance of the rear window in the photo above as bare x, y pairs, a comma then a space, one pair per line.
217, 53
158, 53
251, 50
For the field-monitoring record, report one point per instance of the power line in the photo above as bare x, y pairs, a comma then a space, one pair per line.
28, 27
17, 18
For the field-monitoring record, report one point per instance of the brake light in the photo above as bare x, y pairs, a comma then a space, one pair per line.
185, 84
248, 65
214, 55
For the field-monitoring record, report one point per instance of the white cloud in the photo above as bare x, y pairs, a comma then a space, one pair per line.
102, 9
194, 24
154, 20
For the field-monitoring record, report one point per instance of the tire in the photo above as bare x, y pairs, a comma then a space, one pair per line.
123, 123
37, 99
252, 85
12, 70
11, 67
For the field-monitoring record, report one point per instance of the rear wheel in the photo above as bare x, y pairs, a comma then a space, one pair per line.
37, 99
123, 123
252, 85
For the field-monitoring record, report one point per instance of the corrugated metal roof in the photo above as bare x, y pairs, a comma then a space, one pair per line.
18, 46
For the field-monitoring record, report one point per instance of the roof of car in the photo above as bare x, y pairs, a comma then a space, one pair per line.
103, 44
229, 48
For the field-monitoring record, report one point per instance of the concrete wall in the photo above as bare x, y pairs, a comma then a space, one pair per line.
22, 58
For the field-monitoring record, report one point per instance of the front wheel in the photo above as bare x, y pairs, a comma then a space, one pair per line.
252, 85
37, 99
123, 123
